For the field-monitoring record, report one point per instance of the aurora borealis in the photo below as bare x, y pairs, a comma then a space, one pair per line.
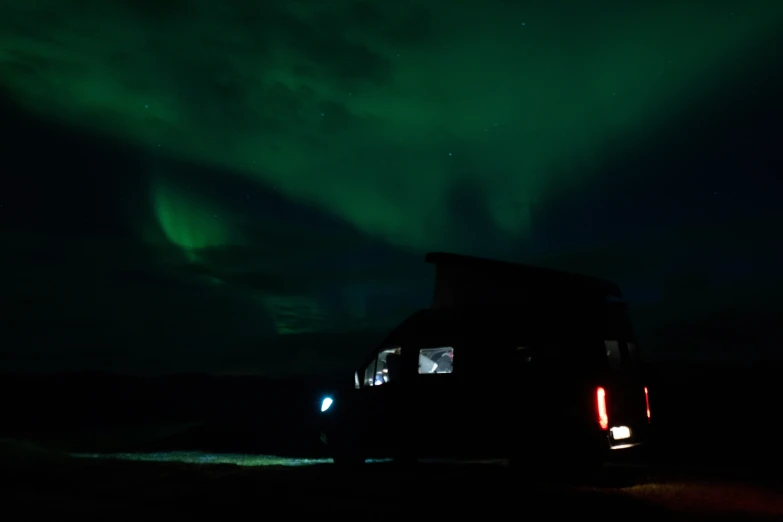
294, 160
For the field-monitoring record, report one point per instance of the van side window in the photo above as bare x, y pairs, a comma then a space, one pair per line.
436, 360
369, 374
384, 368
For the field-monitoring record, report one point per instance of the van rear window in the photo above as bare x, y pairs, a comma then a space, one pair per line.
621, 354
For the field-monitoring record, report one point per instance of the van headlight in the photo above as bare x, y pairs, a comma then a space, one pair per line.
326, 403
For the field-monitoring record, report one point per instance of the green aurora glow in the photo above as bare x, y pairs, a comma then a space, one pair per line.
189, 221
375, 113
285, 164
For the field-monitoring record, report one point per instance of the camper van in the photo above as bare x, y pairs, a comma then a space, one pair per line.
510, 361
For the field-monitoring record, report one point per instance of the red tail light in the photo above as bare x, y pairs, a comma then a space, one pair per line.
600, 403
647, 402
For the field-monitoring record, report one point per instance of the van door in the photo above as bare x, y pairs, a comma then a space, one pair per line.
382, 391
425, 400
626, 395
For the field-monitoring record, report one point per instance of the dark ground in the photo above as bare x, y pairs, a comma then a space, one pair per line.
39, 485
715, 453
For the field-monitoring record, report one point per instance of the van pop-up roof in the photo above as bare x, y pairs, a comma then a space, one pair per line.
465, 281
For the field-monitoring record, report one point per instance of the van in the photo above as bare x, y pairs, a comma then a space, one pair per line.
510, 361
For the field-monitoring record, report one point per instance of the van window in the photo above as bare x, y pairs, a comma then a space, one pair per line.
436, 360
369, 374
384, 368
621, 354
613, 352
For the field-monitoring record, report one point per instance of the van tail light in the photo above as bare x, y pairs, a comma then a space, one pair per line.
600, 403
647, 402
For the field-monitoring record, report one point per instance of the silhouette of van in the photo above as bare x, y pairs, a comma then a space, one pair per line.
511, 361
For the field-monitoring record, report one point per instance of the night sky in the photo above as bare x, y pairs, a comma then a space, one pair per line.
250, 187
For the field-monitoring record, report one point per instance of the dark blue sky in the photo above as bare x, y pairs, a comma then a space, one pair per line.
215, 197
